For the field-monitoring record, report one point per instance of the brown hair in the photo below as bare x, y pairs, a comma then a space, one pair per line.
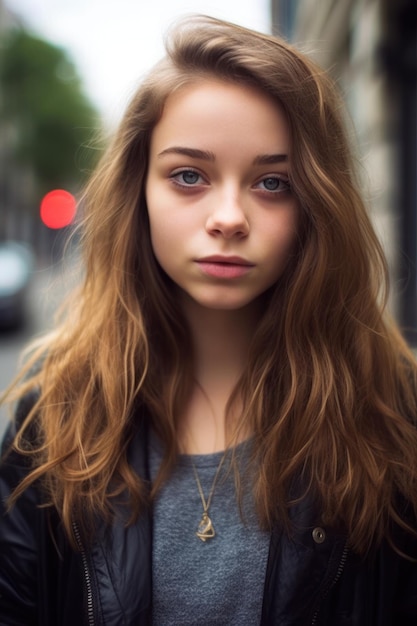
329, 390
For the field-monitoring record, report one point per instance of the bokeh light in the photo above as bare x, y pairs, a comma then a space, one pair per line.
58, 208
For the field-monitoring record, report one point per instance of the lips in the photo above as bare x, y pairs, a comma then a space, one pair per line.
226, 267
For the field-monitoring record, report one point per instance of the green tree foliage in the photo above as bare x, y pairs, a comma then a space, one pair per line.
53, 121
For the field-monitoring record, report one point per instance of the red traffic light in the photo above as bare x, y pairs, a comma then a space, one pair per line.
58, 208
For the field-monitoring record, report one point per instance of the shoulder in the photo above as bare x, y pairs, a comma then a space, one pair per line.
26, 401
23, 408
32, 544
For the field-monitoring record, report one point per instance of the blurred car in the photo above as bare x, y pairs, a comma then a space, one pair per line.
16, 266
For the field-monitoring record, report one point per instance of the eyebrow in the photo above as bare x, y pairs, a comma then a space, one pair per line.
270, 159
207, 155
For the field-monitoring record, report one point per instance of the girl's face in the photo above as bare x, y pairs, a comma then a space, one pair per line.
223, 218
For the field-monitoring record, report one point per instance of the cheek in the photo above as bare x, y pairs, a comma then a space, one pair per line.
160, 237
281, 235
160, 223
168, 233
170, 223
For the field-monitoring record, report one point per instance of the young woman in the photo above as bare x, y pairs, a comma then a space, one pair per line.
223, 428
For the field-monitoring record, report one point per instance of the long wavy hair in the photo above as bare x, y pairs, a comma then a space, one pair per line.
329, 387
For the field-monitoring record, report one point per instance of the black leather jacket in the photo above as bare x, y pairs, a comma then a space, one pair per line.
312, 578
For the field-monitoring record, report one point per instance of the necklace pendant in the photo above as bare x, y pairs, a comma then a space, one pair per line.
205, 528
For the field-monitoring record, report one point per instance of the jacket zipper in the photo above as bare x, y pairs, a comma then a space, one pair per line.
87, 576
339, 572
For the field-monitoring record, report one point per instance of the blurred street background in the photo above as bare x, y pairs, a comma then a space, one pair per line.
67, 70
47, 288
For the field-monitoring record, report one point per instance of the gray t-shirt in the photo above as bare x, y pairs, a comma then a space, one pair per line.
210, 583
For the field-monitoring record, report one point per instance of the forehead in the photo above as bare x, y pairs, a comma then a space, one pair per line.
210, 110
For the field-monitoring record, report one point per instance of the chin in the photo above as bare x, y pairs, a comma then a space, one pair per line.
225, 304
223, 301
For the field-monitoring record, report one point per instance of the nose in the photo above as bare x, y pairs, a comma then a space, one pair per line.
228, 217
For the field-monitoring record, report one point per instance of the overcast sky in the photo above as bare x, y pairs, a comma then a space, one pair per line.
113, 42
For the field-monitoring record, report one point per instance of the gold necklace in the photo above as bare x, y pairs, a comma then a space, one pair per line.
205, 528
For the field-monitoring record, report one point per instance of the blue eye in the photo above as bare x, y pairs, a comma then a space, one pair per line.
187, 178
190, 177
274, 184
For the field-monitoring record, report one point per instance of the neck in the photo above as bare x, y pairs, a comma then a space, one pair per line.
220, 338
221, 341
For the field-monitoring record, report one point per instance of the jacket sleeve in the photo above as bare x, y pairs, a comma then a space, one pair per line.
406, 599
18, 541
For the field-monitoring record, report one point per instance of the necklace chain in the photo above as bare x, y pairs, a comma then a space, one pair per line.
205, 528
